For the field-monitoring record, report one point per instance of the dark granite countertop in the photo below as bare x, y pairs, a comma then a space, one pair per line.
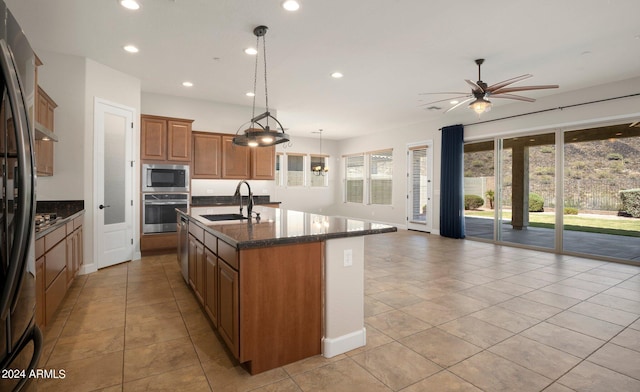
43, 230
66, 210
280, 226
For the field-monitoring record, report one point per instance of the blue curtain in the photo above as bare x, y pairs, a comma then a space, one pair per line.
452, 182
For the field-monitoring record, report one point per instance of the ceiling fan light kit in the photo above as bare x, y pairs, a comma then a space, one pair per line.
481, 92
258, 134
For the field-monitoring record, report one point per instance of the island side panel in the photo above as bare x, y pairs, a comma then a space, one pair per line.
344, 296
280, 304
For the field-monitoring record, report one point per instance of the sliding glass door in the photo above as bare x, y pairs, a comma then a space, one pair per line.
575, 192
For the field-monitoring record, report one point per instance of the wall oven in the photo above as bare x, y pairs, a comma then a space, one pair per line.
165, 178
159, 211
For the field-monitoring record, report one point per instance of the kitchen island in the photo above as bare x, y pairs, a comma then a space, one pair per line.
280, 288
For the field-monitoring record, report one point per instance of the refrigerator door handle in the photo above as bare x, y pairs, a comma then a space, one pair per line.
36, 336
23, 217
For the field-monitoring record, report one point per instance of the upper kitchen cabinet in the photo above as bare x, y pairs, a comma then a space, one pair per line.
236, 160
263, 163
207, 155
165, 139
215, 156
45, 138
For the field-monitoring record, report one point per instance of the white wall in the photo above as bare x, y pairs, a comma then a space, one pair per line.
63, 79
217, 117
615, 111
319, 200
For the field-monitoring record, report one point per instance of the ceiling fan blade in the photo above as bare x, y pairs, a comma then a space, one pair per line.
513, 96
455, 92
474, 85
443, 100
507, 82
524, 88
458, 104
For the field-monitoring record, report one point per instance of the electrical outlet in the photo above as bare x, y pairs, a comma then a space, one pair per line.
348, 257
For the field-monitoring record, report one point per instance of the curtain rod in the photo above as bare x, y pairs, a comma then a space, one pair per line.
549, 110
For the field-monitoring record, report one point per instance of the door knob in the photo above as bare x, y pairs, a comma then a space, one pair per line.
102, 206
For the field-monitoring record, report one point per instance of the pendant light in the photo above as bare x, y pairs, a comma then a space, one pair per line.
259, 133
320, 169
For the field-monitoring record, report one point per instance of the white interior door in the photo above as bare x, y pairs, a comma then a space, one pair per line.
113, 183
419, 186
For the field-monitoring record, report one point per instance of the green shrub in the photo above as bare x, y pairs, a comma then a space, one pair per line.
490, 197
547, 149
570, 211
614, 156
536, 203
471, 202
546, 171
631, 202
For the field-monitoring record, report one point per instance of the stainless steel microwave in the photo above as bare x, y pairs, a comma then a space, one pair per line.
165, 178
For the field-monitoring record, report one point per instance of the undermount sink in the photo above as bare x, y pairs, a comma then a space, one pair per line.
223, 217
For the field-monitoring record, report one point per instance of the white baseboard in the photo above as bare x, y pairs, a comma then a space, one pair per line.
342, 344
88, 269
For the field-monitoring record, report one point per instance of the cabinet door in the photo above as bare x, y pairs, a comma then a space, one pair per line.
153, 139
79, 249
193, 251
200, 272
42, 108
228, 306
211, 284
40, 292
71, 255
207, 156
235, 160
178, 141
263, 163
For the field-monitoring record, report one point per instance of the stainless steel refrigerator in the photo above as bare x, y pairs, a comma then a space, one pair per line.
20, 338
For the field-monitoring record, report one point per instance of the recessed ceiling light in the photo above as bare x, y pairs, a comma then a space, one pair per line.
251, 51
187, 84
250, 94
130, 4
131, 49
291, 5
454, 102
337, 75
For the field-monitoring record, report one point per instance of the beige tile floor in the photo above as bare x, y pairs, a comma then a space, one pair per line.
441, 315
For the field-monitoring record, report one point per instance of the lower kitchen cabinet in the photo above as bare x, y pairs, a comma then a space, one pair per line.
211, 286
228, 316
266, 303
59, 256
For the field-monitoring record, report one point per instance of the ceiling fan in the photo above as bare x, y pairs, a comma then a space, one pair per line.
481, 92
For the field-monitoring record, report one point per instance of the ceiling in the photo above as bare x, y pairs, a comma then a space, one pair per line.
388, 50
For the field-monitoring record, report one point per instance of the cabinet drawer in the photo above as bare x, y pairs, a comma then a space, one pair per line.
54, 237
78, 222
54, 296
211, 242
196, 231
39, 247
228, 253
55, 261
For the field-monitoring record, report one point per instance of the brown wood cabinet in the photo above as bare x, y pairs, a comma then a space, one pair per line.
229, 305
59, 256
207, 155
211, 286
266, 303
43, 149
165, 139
236, 160
215, 156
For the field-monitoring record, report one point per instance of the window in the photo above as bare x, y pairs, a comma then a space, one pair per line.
295, 170
354, 179
318, 172
381, 177
279, 171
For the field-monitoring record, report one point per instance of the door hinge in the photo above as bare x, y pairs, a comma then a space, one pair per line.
132, 125
131, 163
132, 202
132, 241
